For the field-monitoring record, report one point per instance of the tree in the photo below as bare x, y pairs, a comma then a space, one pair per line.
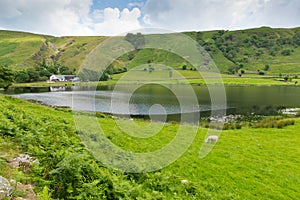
65, 70
137, 41
33, 74
232, 69
52, 69
43, 72
105, 76
130, 55
6, 77
199, 37
296, 38
286, 52
22, 76
286, 78
261, 72
267, 67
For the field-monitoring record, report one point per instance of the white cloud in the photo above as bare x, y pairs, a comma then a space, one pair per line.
117, 22
181, 15
66, 17
57, 17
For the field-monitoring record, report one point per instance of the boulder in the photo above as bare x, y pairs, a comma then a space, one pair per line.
5, 188
24, 161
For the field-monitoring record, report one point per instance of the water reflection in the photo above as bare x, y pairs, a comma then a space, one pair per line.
240, 100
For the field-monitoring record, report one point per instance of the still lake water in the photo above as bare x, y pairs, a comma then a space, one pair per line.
243, 100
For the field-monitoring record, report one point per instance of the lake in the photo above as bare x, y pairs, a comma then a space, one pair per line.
159, 100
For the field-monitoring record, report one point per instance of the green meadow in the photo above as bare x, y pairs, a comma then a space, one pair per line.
246, 163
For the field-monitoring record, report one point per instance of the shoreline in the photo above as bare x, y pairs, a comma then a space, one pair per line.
193, 82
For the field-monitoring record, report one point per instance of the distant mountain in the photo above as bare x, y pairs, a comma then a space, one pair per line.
272, 50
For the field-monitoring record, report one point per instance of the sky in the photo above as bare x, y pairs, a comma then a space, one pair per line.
114, 17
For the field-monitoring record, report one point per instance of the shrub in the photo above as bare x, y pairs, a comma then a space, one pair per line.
274, 123
100, 115
238, 126
104, 77
232, 70
267, 67
45, 194
6, 77
22, 76
286, 78
286, 52
225, 126
261, 73
78, 175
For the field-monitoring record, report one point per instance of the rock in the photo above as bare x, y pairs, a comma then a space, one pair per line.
28, 190
5, 188
225, 119
13, 182
20, 198
24, 161
290, 111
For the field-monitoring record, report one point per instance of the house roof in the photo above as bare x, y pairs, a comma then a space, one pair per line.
63, 76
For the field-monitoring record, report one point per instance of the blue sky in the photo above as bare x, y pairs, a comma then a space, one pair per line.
113, 17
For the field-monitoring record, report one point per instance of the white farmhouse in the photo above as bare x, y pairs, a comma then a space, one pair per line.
63, 78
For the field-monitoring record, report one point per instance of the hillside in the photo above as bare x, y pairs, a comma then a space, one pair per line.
20, 50
271, 50
17, 49
253, 49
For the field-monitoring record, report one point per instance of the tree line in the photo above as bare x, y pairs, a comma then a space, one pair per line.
41, 72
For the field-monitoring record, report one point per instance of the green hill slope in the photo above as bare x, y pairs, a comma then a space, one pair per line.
266, 49
253, 49
20, 50
17, 48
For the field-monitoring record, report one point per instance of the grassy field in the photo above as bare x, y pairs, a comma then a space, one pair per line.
261, 163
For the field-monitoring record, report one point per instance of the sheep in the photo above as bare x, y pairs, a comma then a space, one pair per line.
211, 139
184, 181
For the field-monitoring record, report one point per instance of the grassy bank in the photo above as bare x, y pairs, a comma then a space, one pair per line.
260, 163
179, 77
